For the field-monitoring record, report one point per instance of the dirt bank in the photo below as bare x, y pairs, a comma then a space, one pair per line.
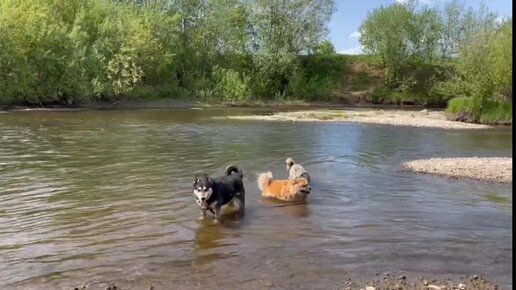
493, 169
423, 118
174, 103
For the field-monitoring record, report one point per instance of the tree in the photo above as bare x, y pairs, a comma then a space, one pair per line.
325, 48
459, 24
401, 35
290, 26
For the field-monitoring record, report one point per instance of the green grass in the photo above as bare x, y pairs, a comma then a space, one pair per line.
373, 60
465, 109
496, 113
470, 109
383, 95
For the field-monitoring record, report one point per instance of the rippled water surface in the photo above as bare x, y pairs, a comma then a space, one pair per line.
106, 196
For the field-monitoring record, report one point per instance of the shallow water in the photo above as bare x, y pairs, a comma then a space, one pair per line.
106, 196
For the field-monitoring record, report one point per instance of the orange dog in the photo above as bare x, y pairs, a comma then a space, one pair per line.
295, 189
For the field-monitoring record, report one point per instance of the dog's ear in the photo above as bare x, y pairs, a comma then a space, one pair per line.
204, 176
198, 177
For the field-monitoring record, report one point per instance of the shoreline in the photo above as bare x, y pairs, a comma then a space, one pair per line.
170, 104
392, 116
292, 111
185, 104
397, 280
488, 169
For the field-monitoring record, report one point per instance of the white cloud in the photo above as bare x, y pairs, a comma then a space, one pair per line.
353, 51
499, 20
355, 34
402, 1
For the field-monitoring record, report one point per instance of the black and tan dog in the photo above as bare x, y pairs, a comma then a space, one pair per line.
212, 193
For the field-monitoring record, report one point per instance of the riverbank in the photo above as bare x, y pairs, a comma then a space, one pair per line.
395, 117
494, 169
294, 111
397, 281
174, 103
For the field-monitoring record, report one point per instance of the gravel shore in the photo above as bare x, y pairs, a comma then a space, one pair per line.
494, 169
379, 282
424, 118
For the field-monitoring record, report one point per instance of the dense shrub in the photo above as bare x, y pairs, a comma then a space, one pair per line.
465, 109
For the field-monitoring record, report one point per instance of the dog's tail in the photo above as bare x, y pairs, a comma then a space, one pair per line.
289, 162
233, 169
264, 179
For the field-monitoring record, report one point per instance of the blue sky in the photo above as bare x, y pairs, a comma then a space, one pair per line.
350, 14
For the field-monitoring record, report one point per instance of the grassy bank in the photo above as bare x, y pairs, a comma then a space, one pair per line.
471, 109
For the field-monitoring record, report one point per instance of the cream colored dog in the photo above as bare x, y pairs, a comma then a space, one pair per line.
296, 170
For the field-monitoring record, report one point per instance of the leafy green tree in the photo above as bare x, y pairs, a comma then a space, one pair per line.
325, 48
402, 36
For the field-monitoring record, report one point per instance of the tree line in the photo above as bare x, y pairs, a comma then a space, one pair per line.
454, 54
75, 51
71, 51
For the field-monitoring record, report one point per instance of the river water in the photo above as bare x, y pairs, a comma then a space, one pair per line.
105, 196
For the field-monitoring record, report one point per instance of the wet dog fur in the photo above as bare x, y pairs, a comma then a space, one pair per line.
212, 193
295, 170
296, 189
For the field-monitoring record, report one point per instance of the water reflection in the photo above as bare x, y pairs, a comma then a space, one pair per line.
294, 209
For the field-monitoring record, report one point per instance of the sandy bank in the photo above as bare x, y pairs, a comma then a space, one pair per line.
424, 118
494, 169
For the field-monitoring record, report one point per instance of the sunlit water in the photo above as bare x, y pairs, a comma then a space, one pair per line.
106, 196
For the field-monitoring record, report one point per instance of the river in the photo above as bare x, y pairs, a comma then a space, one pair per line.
106, 196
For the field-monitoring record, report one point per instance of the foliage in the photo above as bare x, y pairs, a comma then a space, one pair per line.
497, 112
436, 55
465, 109
325, 48
318, 76
230, 86
402, 36
73, 51
484, 72
486, 62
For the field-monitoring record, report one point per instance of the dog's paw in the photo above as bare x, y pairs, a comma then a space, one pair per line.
216, 221
201, 218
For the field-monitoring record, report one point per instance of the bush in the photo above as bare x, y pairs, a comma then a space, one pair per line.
496, 113
380, 95
452, 88
319, 88
464, 109
229, 86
